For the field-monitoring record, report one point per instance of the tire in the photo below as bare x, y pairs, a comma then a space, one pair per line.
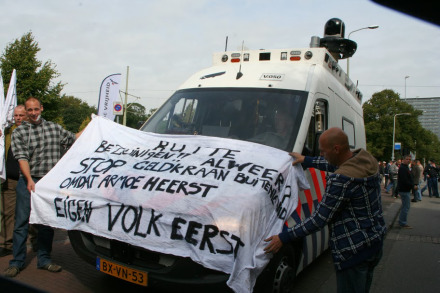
284, 277
279, 274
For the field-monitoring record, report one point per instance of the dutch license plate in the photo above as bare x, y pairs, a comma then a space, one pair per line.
121, 272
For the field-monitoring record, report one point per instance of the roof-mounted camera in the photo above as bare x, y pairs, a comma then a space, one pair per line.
334, 41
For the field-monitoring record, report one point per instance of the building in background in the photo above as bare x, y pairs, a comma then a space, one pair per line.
430, 119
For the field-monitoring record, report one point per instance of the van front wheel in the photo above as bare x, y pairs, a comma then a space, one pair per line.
284, 277
279, 274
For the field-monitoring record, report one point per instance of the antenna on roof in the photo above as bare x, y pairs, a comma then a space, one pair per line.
226, 45
239, 73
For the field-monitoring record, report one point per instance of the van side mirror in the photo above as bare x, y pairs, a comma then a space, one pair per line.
316, 151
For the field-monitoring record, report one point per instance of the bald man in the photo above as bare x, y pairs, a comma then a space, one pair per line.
351, 207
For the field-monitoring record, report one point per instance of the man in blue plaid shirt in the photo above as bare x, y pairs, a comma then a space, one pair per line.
352, 208
37, 145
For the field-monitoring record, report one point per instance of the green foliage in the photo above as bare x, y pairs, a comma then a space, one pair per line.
188, 114
151, 112
34, 78
136, 115
379, 113
74, 112
85, 123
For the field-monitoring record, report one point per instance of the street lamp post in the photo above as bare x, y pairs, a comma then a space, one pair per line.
394, 131
124, 119
415, 149
406, 77
371, 27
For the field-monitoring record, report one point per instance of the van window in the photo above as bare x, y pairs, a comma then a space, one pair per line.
318, 124
348, 128
267, 116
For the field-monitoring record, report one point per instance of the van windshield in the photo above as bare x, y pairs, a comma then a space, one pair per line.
267, 116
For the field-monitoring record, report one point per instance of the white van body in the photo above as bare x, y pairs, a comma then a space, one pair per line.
321, 77
246, 83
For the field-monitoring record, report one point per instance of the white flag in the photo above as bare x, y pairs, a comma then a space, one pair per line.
2, 137
10, 102
2, 93
6, 118
108, 94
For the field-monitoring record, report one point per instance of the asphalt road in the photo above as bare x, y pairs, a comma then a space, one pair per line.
411, 258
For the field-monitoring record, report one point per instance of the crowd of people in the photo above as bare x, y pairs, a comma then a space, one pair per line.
429, 175
404, 177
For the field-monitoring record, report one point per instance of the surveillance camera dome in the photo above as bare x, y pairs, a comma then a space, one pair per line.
334, 28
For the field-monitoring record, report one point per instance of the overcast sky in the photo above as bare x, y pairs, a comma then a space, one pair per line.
165, 41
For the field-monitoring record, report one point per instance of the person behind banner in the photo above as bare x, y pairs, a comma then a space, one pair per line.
37, 145
8, 187
278, 135
8, 199
351, 206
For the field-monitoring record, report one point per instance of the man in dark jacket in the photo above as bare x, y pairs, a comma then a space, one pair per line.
352, 208
405, 185
387, 173
431, 172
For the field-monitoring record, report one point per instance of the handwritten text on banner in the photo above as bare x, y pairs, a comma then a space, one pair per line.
211, 199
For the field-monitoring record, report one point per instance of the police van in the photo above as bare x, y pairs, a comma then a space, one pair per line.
284, 98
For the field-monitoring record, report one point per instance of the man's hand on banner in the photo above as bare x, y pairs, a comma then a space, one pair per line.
31, 186
274, 245
298, 158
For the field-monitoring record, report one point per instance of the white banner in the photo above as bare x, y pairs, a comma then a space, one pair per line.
108, 93
211, 199
7, 118
2, 93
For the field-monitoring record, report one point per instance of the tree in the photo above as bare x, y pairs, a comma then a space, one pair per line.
85, 123
34, 78
151, 112
379, 114
74, 112
136, 115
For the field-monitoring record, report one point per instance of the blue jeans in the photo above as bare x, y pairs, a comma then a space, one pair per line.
433, 187
418, 192
392, 186
389, 186
358, 279
45, 233
424, 188
405, 197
